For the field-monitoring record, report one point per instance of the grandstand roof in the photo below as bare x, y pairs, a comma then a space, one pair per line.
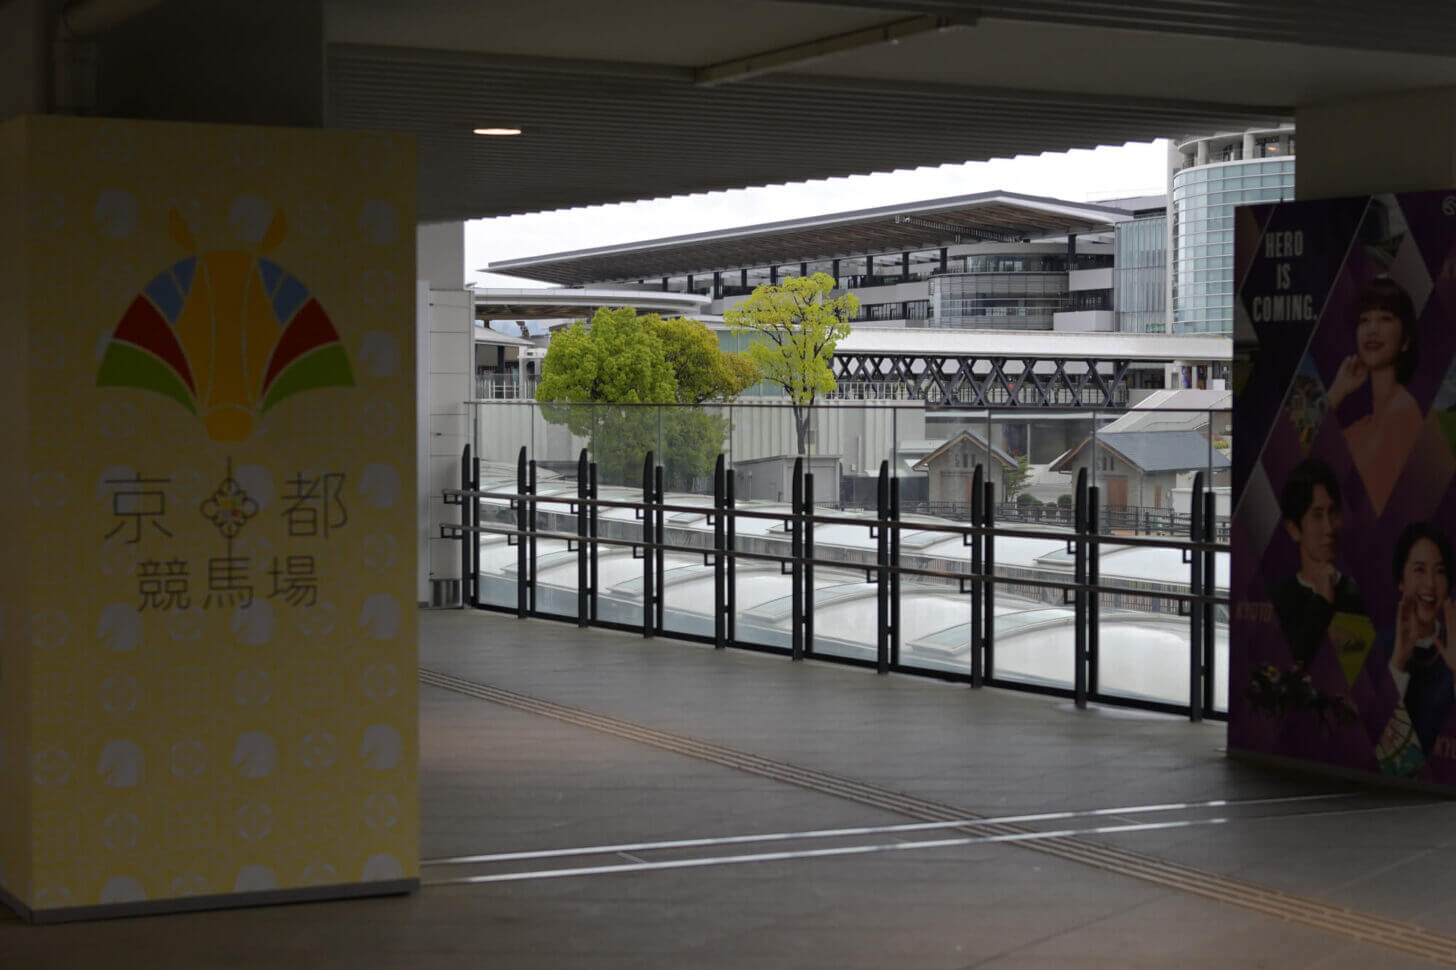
983, 217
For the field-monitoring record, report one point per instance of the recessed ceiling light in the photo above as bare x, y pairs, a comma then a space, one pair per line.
497, 131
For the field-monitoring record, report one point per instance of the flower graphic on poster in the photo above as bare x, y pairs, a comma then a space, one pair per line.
226, 334
229, 508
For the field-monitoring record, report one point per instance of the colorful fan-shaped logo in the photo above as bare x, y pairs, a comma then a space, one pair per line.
227, 335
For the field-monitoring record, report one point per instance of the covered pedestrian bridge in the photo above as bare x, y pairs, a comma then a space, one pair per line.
238, 343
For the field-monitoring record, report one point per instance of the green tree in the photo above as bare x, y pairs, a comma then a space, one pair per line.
617, 359
1017, 480
592, 372
704, 372
795, 327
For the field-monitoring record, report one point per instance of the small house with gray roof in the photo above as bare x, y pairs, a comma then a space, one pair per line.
951, 468
1142, 468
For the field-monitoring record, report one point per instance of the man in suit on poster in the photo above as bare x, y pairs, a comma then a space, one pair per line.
1306, 601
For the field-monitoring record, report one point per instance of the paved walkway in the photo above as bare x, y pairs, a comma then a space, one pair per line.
537, 736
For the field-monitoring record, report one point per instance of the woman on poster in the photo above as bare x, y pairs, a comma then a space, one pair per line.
1423, 653
1385, 358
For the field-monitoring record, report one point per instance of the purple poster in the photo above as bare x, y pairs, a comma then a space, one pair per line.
1343, 640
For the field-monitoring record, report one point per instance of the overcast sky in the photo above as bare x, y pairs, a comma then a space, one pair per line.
1078, 176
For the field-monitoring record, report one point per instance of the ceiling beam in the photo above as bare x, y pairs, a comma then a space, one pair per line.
786, 58
1414, 26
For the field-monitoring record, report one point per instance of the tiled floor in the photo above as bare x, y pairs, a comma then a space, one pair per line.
500, 779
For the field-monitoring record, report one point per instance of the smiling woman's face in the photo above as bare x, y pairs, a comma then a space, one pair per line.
1424, 577
1379, 338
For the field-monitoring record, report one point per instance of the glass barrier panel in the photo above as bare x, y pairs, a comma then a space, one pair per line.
691, 438
763, 444
849, 441
1144, 636
500, 429
1031, 456
1035, 462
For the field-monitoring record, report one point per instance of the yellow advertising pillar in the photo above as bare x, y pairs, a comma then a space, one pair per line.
207, 597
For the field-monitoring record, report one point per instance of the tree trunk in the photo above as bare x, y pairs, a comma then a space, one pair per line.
801, 425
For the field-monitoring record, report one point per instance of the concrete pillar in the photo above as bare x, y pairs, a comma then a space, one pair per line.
24, 43
447, 380
1200, 156
441, 255
208, 652
450, 327
1248, 145
1403, 142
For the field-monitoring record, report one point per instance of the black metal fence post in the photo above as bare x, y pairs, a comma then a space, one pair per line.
592, 529
659, 556
1210, 585
1195, 608
895, 575
1094, 600
466, 535
720, 536
808, 526
533, 525
648, 572
583, 565
1079, 598
522, 567
796, 565
882, 574
978, 672
988, 564
730, 510
475, 521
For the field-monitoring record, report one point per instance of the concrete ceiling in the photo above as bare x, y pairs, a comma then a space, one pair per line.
612, 99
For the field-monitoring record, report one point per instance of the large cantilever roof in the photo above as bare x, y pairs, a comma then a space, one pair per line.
555, 303
986, 216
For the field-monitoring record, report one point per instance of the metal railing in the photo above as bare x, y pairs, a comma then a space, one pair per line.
504, 387
1118, 520
577, 521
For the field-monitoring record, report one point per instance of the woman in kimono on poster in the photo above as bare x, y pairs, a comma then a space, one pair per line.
1385, 358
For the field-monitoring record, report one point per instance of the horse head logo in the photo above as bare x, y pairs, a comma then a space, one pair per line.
227, 334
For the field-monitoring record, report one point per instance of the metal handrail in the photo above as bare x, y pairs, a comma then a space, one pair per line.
950, 528
450, 530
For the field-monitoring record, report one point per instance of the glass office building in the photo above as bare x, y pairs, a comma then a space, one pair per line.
1212, 176
1013, 290
1140, 276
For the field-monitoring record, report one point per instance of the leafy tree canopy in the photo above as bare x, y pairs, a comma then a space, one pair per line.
617, 360
623, 358
703, 371
795, 327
